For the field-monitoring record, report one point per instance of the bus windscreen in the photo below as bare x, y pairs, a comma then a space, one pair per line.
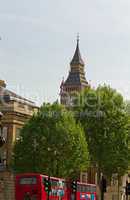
28, 181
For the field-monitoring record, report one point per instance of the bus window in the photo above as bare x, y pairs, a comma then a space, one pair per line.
84, 188
88, 189
78, 188
54, 183
28, 181
93, 189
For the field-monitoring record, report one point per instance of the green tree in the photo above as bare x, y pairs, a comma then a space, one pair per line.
51, 143
103, 116
128, 112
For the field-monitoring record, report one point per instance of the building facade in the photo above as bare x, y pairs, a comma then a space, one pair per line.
16, 111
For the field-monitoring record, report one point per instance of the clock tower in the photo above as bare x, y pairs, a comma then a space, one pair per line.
76, 80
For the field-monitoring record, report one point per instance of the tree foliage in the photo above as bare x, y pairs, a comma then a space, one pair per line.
103, 116
51, 143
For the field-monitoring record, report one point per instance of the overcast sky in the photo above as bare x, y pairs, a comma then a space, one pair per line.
39, 39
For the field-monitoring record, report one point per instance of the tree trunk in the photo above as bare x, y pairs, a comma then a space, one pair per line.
118, 187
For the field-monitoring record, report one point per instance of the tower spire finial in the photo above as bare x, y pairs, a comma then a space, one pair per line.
77, 37
77, 59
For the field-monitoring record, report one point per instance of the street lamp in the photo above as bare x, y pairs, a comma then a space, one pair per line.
2, 139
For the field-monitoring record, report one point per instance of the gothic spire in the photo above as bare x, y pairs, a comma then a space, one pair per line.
77, 59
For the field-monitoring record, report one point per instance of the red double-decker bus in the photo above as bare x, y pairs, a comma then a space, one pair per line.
30, 186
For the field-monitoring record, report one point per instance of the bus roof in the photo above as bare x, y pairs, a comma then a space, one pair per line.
54, 178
